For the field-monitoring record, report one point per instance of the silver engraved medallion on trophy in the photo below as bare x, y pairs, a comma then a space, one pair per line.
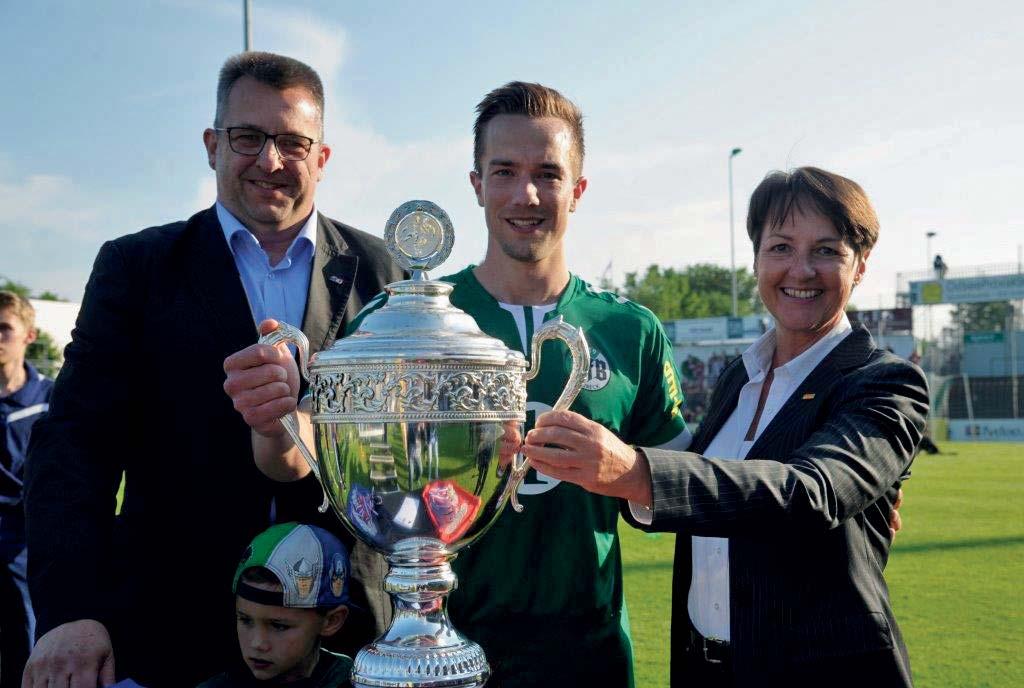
418, 420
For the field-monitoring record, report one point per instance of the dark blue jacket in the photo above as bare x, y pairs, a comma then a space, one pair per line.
18, 413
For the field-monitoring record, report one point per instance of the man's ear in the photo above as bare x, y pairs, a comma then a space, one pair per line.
478, 186
321, 160
577, 192
210, 142
334, 620
32, 335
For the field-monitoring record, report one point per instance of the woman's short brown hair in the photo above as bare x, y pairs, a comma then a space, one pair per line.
811, 189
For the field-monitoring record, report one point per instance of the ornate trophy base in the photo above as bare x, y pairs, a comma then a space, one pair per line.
421, 649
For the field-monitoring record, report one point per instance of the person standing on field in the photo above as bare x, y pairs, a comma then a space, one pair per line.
141, 395
24, 398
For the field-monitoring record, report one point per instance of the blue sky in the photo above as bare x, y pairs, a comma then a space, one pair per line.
921, 102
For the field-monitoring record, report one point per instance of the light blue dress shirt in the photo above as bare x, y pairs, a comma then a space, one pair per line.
277, 291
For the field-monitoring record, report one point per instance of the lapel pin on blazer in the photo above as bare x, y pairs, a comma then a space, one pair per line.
336, 279
807, 396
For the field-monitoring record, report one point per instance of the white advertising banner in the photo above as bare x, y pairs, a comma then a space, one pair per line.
987, 430
968, 289
701, 329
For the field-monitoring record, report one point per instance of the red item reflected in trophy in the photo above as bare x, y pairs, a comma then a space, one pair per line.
451, 508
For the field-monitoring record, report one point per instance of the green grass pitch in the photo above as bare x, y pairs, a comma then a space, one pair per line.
955, 574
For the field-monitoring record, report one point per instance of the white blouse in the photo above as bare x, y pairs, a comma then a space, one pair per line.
708, 601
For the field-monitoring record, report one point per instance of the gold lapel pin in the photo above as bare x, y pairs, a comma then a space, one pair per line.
808, 396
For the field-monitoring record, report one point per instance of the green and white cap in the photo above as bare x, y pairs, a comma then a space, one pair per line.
310, 563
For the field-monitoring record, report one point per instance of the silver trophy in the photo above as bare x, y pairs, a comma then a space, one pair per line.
418, 421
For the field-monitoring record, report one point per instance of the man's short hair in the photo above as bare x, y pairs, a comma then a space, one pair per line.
277, 71
531, 100
811, 189
20, 306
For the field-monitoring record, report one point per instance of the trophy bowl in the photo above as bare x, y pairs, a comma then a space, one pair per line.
417, 422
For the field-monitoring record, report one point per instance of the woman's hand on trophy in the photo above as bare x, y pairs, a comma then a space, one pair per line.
567, 446
263, 383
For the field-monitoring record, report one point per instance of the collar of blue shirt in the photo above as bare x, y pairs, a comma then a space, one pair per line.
231, 226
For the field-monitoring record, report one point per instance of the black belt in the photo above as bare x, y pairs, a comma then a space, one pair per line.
710, 650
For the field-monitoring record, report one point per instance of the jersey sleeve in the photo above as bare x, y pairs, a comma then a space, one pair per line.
373, 304
657, 417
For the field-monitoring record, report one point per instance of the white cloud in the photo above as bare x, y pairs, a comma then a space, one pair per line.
305, 36
47, 201
368, 176
884, 151
320, 44
648, 157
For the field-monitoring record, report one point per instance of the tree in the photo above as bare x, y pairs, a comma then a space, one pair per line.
44, 354
702, 290
7, 284
982, 317
17, 287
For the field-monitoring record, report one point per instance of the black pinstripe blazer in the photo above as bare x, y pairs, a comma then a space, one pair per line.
807, 517
141, 392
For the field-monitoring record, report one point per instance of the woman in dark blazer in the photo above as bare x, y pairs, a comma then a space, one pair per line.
782, 505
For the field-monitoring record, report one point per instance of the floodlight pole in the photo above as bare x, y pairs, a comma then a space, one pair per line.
247, 24
732, 234
928, 309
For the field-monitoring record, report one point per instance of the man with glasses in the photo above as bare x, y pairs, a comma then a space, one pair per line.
141, 395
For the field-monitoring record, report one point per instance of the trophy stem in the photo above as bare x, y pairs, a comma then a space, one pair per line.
421, 647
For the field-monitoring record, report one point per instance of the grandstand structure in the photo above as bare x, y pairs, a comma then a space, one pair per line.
976, 376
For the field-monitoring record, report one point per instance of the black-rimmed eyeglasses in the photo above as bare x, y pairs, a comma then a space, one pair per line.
249, 141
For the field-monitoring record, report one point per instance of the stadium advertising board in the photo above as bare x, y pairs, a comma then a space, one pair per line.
968, 289
984, 337
987, 430
702, 329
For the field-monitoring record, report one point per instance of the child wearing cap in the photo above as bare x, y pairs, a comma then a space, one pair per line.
291, 590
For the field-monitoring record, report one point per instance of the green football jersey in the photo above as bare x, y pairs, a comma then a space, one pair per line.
542, 590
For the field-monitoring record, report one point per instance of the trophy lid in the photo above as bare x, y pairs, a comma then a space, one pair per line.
418, 324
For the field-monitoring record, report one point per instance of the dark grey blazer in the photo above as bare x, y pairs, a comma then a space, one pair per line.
141, 392
807, 517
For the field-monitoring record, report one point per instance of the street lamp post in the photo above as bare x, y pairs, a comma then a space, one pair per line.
247, 24
732, 233
928, 309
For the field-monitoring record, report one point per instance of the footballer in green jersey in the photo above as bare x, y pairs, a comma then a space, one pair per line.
542, 591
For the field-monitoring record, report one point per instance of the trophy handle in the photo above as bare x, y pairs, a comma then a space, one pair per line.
293, 335
574, 338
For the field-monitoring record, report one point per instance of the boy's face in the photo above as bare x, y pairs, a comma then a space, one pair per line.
15, 337
280, 642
